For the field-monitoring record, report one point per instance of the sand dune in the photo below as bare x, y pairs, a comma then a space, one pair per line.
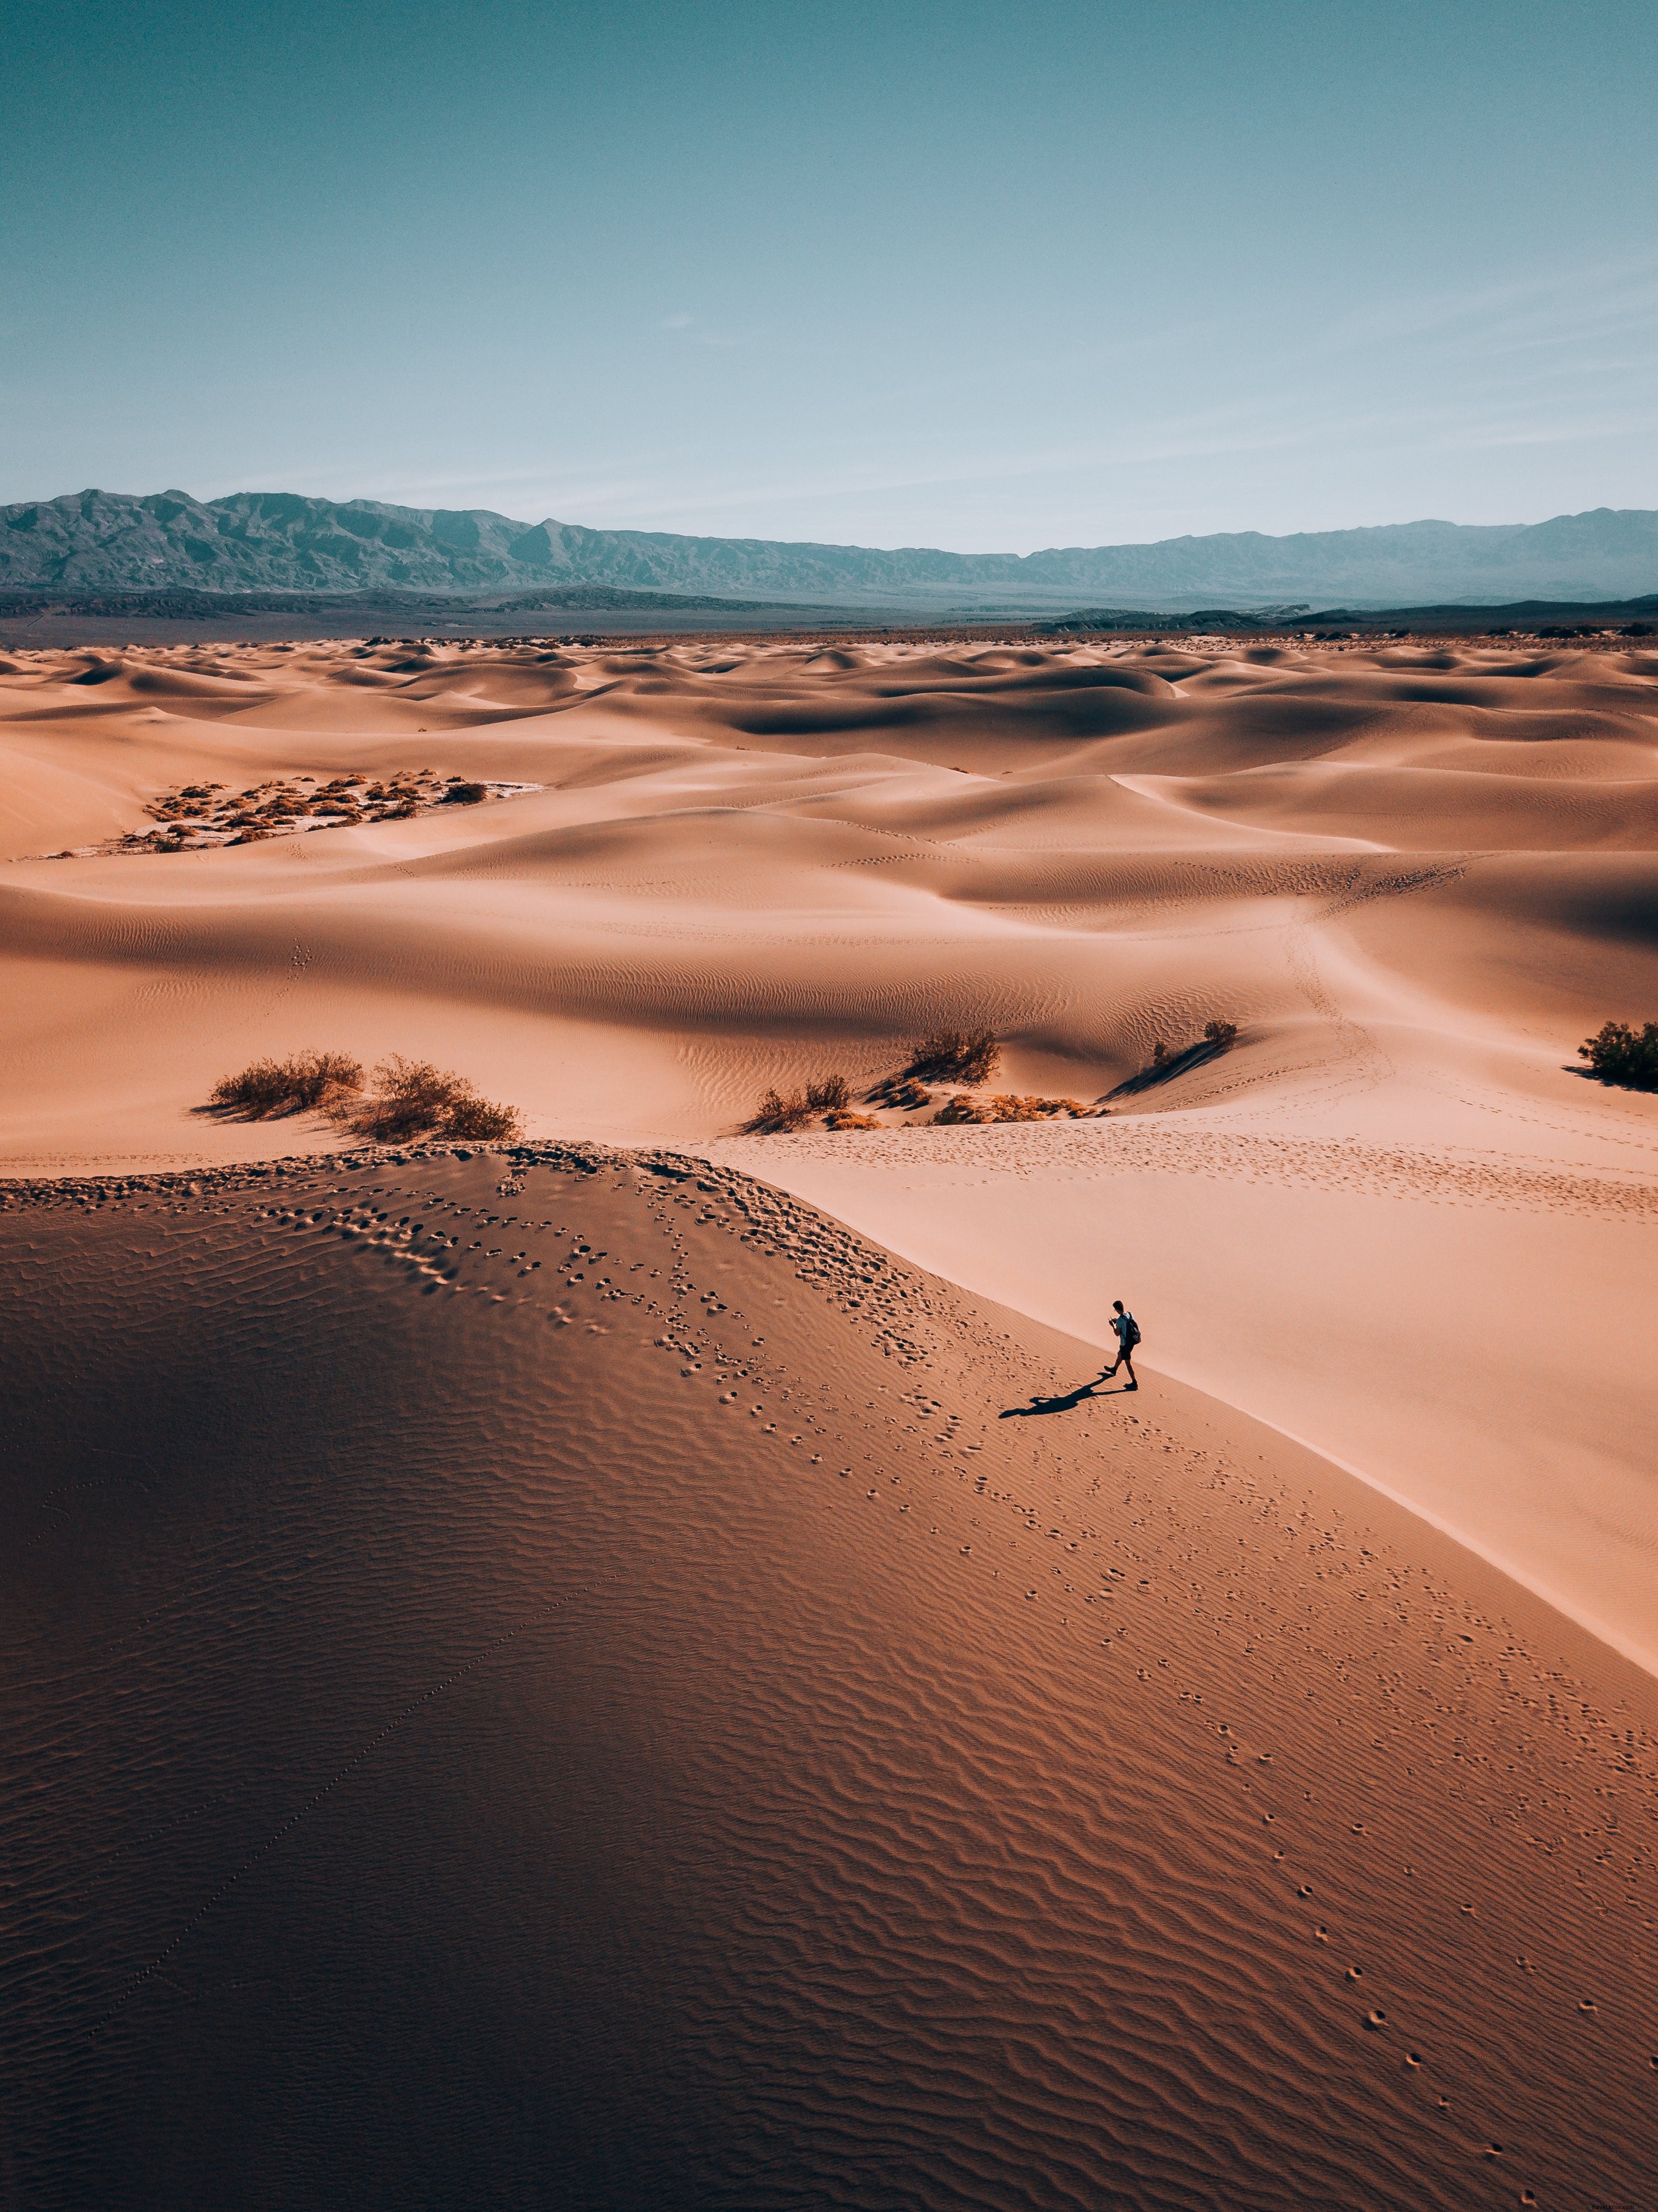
884, 1874
582, 1687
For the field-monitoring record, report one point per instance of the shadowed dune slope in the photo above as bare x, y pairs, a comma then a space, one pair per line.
581, 1682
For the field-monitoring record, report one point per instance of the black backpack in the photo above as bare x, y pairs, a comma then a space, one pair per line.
1133, 1331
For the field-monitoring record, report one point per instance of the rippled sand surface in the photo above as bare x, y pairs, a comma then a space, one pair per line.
603, 1682
606, 1689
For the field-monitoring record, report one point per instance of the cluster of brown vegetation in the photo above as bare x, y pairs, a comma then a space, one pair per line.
958, 1055
413, 1099
955, 1056
777, 1113
408, 1099
199, 817
1009, 1106
1167, 1061
901, 1091
830, 1096
1621, 1054
946, 1055
1220, 1035
270, 1089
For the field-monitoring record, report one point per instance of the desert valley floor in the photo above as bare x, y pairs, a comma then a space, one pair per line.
687, 1696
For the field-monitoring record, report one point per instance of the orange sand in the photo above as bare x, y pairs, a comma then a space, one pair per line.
902, 1879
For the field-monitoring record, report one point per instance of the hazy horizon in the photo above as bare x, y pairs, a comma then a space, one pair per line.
880, 279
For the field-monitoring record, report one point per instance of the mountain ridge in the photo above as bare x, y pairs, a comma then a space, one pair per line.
287, 541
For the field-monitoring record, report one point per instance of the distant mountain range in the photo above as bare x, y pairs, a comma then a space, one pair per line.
279, 541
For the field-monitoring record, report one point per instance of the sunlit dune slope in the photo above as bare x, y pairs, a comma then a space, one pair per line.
739, 852
582, 1681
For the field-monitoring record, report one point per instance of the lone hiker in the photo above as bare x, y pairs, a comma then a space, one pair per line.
1128, 1335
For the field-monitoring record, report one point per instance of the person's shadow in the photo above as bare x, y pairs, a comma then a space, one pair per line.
1067, 1404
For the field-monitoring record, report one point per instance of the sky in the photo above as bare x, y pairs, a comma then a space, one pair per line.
986, 276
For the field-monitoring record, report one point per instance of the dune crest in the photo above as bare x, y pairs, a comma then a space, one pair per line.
630, 1694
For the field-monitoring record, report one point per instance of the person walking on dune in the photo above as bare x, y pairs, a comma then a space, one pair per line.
1128, 1335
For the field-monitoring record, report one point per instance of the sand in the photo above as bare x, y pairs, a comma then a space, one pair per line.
463, 1752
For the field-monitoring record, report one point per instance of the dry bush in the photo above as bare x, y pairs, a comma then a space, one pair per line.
309, 1082
843, 1119
482, 1121
1222, 1034
463, 794
829, 1094
776, 1113
1626, 1056
412, 1098
1007, 1106
963, 1055
900, 1091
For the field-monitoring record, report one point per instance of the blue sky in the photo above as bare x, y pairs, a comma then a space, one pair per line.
986, 276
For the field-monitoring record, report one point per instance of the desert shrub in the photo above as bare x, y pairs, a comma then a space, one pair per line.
1160, 1054
829, 1094
776, 1113
899, 1090
980, 1057
412, 1099
310, 1081
842, 1118
260, 1090
482, 1121
1619, 1054
1222, 1034
463, 794
1008, 1106
965, 1056
961, 1108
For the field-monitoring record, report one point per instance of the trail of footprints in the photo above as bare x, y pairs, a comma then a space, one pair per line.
1126, 1145
1503, 1727
1111, 1585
